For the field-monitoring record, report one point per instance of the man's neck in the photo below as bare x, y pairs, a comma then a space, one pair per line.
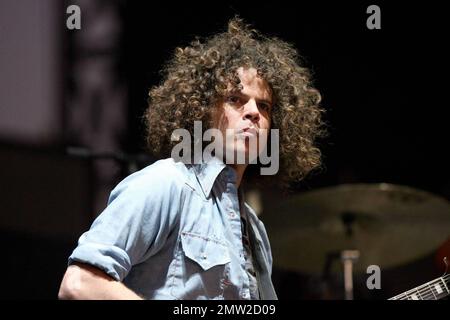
240, 169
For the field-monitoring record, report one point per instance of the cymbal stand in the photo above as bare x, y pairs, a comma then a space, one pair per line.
348, 257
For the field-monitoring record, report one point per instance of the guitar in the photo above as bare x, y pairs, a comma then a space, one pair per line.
433, 290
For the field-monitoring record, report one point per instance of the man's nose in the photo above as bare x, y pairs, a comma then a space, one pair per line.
251, 111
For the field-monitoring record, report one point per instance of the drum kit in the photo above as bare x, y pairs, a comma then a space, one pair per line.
362, 226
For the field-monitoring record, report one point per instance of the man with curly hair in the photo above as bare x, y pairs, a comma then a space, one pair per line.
181, 229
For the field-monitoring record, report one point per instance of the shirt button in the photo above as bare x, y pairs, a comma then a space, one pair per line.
245, 295
232, 215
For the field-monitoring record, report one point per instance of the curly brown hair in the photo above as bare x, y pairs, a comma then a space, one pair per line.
199, 75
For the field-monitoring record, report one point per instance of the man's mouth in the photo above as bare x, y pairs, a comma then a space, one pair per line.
249, 131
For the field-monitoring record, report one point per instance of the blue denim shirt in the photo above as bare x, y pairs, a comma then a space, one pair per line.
173, 231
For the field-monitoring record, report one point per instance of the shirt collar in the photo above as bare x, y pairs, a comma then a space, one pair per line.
208, 171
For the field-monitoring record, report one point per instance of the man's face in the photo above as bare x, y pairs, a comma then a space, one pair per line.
247, 112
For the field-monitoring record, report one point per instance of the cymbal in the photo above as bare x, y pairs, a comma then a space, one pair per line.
389, 224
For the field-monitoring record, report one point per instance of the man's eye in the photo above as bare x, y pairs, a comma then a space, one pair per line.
233, 99
265, 106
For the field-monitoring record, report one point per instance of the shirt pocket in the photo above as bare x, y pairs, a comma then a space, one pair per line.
202, 267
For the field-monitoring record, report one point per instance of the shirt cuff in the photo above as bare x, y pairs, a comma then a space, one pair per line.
113, 260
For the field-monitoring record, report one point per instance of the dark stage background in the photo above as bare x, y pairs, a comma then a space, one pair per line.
384, 92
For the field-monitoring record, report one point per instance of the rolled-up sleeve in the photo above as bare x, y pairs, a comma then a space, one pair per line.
141, 212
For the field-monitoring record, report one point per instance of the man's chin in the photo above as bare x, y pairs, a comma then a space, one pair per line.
241, 157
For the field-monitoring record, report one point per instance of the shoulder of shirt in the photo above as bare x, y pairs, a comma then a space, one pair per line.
259, 224
251, 212
261, 228
255, 218
158, 175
